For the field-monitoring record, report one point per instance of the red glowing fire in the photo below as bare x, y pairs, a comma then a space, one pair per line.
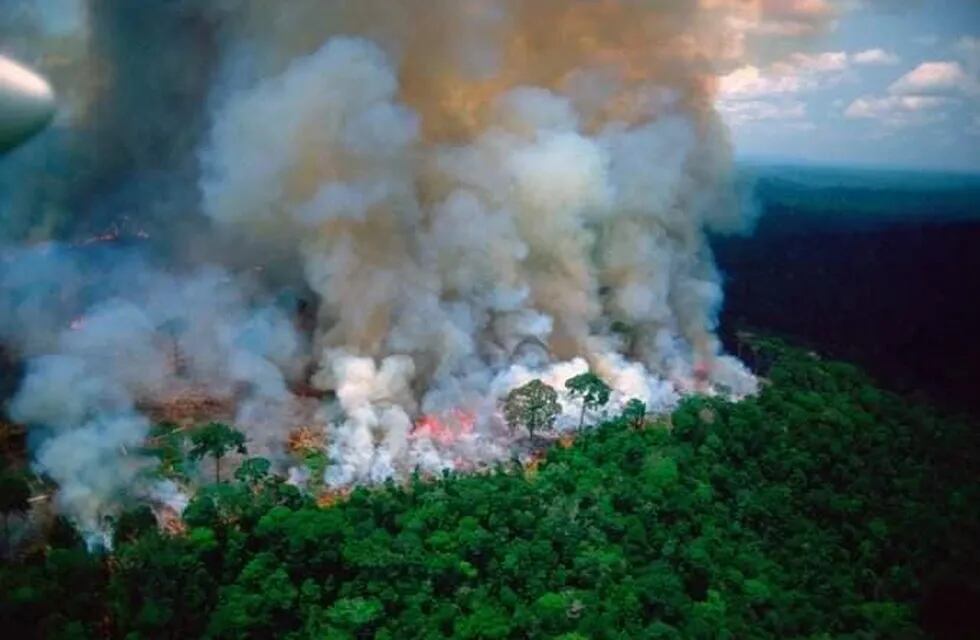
114, 234
702, 372
445, 428
109, 236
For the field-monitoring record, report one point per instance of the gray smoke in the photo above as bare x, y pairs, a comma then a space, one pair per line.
153, 336
472, 194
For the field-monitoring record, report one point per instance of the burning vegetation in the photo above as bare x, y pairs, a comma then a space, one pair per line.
188, 408
627, 533
378, 222
282, 256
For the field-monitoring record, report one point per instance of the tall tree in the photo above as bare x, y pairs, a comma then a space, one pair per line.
216, 439
535, 405
635, 413
166, 443
591, 389
253, 471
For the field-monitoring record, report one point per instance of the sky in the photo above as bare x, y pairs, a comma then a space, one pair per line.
895, 83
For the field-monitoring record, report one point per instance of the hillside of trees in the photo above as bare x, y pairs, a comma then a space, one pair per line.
823, 508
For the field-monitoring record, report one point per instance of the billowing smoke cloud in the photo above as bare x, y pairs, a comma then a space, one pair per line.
149, 337
469, 194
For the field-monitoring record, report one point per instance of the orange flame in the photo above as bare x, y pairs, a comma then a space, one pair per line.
305, 439
446, 428
109, 236
332, 498
170, 521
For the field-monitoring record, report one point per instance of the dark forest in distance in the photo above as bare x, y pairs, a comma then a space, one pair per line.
879, 268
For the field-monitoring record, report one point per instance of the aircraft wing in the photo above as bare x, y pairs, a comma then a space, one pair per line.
26, 103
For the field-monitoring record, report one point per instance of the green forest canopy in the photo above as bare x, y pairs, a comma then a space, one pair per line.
823, 508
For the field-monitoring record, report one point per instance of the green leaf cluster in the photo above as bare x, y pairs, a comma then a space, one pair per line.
533, 405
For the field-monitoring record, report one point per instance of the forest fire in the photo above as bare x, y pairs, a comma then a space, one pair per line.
169, 520
533, 464
451, 207
445, 428
401, 318
189, 407
331, 498
305, 440
116, 233
108, 236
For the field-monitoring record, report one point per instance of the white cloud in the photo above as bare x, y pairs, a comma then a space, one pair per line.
932, 78
815, 63
785, 18
871, 107
752, 94
745, 111
898, 110
875, 57
750, 82
798, 72
928, 93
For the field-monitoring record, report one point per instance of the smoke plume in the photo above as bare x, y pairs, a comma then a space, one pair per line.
411, 207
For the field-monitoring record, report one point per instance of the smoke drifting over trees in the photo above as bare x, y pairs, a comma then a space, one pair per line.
471, 195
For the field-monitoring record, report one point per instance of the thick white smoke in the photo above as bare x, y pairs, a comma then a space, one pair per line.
161, 336
472, 194
435, 262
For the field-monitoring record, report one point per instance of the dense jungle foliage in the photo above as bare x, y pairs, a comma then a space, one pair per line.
823, 508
